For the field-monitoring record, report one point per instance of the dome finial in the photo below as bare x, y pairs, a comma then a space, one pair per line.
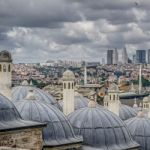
30, 95
140, 114
135, 103
92, 104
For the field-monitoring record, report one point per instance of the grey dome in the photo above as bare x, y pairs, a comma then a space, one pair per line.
101, 129
140, 130
10, 119
79, 101
58, 131
20, 92
126, 112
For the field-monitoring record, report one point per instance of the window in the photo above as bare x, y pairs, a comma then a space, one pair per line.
72, 85
9, 69
64, 85
110, 97
0, 67
68, 85
4, 68
113, 97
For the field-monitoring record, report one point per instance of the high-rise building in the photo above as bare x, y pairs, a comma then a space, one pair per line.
109, 57
115, 57
148, 54
124, 56
134, 59
140, 56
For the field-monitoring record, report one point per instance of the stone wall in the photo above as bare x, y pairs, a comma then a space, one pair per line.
25, 138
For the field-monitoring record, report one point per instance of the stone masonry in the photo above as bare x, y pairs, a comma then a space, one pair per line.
26, 138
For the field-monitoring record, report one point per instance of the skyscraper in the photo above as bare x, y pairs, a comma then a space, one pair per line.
109, 57
148, 56
140, 56
124, 56
115, 57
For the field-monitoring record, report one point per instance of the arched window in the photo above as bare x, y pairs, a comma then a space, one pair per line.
9, 69
72, 85
68, 85
64, 85
113, 97
4, 68
0, 67
110, 97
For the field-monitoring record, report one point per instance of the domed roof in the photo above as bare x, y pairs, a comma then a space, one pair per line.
79, 101
10, 119
126, 112
68, 75
113, 88
5, 56
58, 131
20, 92
146, 99
140, 130
101, 129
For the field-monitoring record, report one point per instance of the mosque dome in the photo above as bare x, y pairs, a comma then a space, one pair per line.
58, 131
113, 88
79, 102
101, 129
126, 112
10, 119
139, 127
5, 56
146, 99
20, 92
68, 75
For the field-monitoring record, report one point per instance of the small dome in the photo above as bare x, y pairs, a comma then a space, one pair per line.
126, 112
20, 92
140, 130
113, 88
101, 129
10, 119
68, 75
5, 56
79, 101
58, 130
146, 99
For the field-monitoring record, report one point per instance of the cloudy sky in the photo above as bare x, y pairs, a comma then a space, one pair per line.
40, 30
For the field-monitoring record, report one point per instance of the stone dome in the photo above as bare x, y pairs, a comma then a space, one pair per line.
58, 131
126, 112
68, 75
146, 99
20, 92
5, 56
10, 119
101, 129
139, 127
113, 88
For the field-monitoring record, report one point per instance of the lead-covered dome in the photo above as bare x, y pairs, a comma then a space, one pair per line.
139, 127
10, 119
20, 92
68, 75
126, 112
101, 129
58, 132
5, 56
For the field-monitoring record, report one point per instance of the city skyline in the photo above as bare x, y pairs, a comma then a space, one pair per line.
35, 31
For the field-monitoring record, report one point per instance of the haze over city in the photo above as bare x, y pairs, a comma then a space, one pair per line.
72, 29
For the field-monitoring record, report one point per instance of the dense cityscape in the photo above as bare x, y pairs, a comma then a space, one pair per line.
74, 75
